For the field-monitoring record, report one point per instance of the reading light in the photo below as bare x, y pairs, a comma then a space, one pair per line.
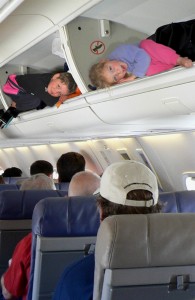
7, 7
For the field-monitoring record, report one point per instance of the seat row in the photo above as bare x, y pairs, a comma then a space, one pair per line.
64, 227
13, 186
16, 209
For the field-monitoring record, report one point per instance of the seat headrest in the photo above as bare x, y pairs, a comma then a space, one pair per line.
7, 187
128, 241
13, 180
186, 201
180, 201
62, 186
71, 216
15, 205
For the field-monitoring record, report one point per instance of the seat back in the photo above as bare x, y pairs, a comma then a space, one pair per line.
6, 187
63, 229
181, 201
145, 257
62, 186
13, 180
16, 208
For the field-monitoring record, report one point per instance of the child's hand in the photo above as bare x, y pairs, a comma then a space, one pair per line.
185, 62
127, 79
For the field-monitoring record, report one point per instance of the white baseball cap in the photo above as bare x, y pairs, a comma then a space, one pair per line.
122, 177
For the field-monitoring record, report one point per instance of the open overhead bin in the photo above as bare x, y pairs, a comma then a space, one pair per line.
35, 19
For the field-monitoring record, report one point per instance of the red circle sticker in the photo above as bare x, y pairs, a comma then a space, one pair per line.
97, 47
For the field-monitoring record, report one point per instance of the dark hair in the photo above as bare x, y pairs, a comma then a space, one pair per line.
69, 164
109, 208
67, 78
12, 172
41, 166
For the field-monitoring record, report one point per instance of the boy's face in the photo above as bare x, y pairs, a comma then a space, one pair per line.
56, 88
114, 71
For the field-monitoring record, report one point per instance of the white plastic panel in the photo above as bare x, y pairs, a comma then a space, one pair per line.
164, 103
144, 15
69, 124
35, 19
14, 35
146, 98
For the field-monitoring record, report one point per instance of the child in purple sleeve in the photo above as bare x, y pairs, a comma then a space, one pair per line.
128, 62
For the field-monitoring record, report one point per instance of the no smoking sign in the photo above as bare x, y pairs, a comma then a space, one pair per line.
97, 47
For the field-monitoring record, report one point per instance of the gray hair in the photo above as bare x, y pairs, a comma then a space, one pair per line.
38, 182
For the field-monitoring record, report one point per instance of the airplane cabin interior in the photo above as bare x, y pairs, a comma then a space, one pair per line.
150, 120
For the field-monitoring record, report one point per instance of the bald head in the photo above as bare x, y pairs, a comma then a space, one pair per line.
83, 183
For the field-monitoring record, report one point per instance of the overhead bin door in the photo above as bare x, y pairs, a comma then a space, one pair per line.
35, 19
161, 96
86, 42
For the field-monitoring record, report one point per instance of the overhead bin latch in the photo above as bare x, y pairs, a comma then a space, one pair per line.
104, 28
179, 282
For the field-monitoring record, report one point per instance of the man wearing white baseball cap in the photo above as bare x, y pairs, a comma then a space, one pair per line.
127, 187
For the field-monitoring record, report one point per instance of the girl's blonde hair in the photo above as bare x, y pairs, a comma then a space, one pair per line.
96, 75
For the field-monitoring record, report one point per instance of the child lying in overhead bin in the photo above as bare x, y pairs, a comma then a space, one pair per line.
36, 91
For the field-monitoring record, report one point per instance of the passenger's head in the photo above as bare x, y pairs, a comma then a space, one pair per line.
128, 187
107, 73
69, 164
83, 183
12, 172
38, 182
41, 166
61, 84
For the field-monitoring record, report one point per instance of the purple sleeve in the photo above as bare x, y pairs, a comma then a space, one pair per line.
136, 58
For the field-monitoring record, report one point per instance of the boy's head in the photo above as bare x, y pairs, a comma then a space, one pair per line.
12, 172
128, 187
107, 73
61, 84
41, 166
69, 164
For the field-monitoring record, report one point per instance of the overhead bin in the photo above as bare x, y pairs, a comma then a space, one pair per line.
35, 19
152, 104
160, 96
86, 41
70, 124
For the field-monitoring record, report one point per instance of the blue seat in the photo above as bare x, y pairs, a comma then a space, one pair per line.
169, 202
180, 201
62, 229
13, 180
185, 201
16, 208
10, 186
20, 204
62, 186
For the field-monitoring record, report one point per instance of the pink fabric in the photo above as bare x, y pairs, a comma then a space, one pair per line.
162, 57
8, 88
